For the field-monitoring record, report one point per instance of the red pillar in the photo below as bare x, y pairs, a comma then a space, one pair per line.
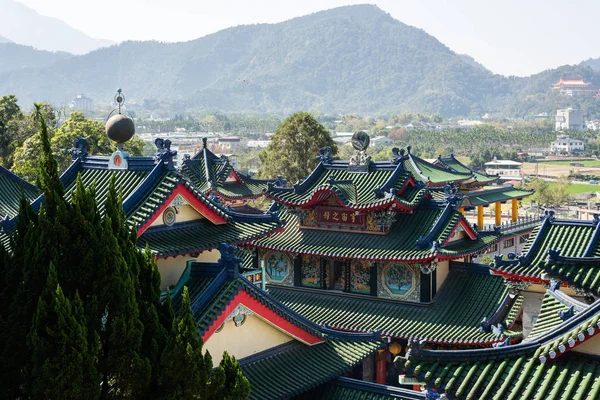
381, 365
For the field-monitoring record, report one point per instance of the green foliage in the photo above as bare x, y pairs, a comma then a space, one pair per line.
551, 194
294, 147
236, 385
63, 363
186, 371
76, 126
9, 111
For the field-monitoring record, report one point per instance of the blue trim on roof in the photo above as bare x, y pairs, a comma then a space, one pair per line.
516, 350
379, 389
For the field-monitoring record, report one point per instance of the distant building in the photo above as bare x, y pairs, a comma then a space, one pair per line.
506, 169
381, 141
566, 143
573, 86
541, 116
81, 102
260, 144
569, 119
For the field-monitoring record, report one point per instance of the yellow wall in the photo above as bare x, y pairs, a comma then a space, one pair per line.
186, 213
252, 337
171, 268
537, 288
458, 236
590, 346
442, 273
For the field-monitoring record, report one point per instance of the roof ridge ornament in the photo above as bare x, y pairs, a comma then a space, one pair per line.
325, 155
79, 149
164, 152
228, 258
596, 219
360, 161
398, 155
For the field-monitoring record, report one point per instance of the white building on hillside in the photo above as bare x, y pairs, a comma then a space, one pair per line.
508, 170
566, 143
569, 119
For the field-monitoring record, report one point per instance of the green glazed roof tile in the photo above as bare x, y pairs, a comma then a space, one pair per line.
201, 235
398, 244
542, 367
11, 189
460, 305
299, 368
353, 389
209, 173
432, 174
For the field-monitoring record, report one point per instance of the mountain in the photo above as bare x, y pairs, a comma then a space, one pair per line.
5, 40
15, 57
593, 63
25, 26
347, 59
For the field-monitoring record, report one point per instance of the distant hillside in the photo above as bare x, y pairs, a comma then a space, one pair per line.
348, 59
25, 26
5, 40
593, 63
15, 57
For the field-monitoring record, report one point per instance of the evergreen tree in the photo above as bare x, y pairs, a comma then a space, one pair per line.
186, 372
48, 177
236, 385
63, 364
115, 314
34, 246
155, 337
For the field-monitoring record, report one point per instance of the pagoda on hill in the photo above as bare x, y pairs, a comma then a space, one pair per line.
214, 174
573, 85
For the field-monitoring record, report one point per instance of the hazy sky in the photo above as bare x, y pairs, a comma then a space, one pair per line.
511, 37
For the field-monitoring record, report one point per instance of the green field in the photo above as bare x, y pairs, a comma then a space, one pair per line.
575, 188
586, 163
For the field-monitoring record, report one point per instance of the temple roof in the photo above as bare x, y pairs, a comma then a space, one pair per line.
293, 368
384, 184
492, 194
452, 164
148, 186
432, 174
210, 173
216, 289
431, 227
567, 250
542, 367
13, 187
454, 317
352, 389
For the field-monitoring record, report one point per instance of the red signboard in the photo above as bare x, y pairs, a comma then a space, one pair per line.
339, 216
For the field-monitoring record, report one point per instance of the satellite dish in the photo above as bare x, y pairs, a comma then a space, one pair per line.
360, 141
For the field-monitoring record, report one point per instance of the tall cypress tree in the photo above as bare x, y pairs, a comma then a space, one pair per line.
236, 386
115, 314
186, 371
34, 246
63, 364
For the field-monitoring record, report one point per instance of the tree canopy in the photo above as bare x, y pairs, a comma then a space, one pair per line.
294, 147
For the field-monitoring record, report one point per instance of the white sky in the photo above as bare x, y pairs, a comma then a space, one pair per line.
511, 37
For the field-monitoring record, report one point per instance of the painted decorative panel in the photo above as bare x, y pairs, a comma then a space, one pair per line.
311, 271
278, 267
360, 277
398, 281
